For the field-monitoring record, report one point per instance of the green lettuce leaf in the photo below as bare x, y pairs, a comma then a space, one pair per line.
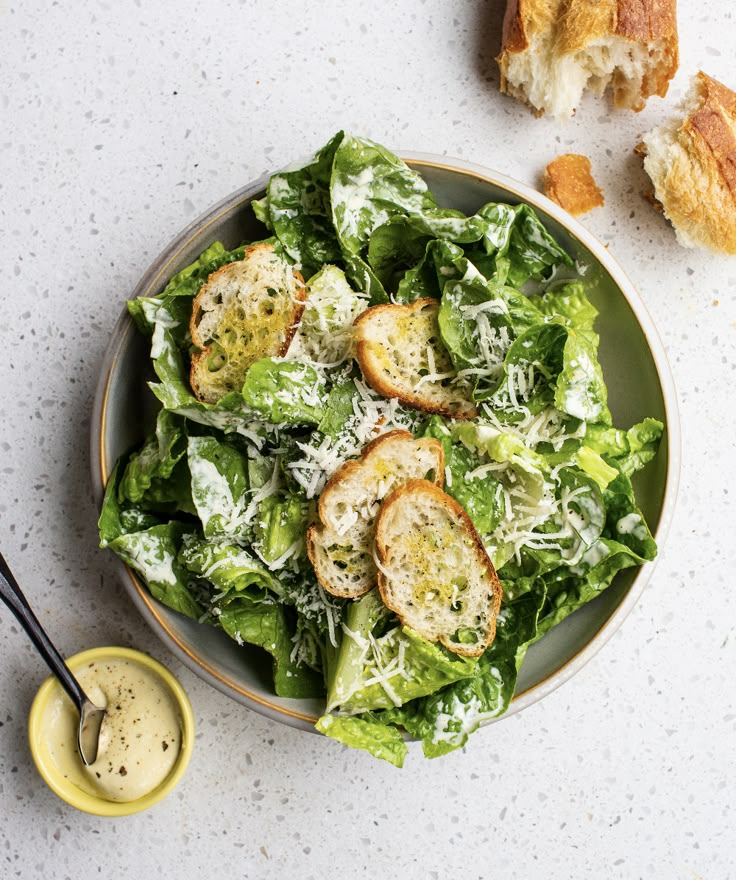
532, 251
570, 304
388, 669
474, 320
245, 607
279, 528
630, 450
109, 522
369, 185
380, 740
153, 553
550, 364
338, 409
625, 542
444, 720
219, 484
400, 244
500, 219
266, 626
230, 569
580, 390
156, 460
325, 332
284, 392
479, 494
297, 209
119, 516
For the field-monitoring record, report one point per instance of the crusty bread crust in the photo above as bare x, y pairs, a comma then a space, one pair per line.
260, 271
565, 32
342, 557
569, 182
652, 22
518, 20
647, 20
692, 164
715, 124
425, 597
391, 344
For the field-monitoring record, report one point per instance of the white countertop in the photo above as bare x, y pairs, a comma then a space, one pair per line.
120, 123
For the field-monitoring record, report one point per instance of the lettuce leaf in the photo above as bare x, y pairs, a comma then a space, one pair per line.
284, 392
382, 741
244, 605
279, 528
153, 553
478, 493
230, 569
266, 626
369, 185
219, 487
297, 209
397, 246
149, 478
375, 671
443, 721
629, 450
532, 251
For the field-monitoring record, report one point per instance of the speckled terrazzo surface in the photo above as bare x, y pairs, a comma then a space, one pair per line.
120, 122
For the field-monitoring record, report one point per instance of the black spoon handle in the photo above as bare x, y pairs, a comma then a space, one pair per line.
13, 597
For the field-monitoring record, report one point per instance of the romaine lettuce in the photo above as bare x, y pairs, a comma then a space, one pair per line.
212, 510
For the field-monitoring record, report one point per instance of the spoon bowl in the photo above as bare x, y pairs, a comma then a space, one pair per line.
88, 733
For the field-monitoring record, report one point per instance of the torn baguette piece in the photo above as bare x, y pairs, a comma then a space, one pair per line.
553, 50
340, 547
247, 310
568, 181
433, 571
401, 354
692, 163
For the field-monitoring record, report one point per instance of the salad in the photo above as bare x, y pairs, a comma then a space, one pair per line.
213, 510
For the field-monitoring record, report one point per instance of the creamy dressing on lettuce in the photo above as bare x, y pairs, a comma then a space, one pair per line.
148, 556
213, 495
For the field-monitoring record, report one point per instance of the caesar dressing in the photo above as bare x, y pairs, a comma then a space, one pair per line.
140, 738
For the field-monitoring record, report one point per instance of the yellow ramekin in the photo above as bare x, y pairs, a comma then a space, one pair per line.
39, 736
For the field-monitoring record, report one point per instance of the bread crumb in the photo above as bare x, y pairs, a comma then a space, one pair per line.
568, 180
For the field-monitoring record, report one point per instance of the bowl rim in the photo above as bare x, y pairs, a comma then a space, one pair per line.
65, 788
522, 700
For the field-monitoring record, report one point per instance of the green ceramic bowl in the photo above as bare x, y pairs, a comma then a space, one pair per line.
635, 368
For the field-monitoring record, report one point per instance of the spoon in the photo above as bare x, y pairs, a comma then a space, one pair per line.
90, 716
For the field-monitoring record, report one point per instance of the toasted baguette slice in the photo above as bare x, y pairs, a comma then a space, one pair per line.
341, 547
692, 163
433, 571
247, 310
569, 182
553, 50
401, 354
